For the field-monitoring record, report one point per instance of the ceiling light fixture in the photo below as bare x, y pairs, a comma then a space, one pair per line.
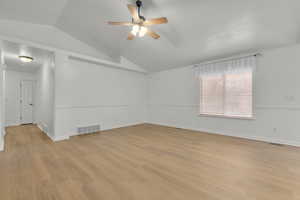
26, 59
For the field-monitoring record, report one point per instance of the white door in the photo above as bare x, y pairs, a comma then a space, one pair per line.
26, 102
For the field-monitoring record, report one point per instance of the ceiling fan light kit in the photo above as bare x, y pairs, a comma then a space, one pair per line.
139, 30
139, 23
143, 31
135, 30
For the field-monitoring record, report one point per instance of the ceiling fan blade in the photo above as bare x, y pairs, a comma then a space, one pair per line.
162, 20
153, 34
133, 11
121, 23
130, 36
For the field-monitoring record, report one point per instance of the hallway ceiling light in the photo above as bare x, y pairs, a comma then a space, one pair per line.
26, 59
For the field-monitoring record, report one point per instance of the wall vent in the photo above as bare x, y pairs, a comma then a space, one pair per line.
88, 129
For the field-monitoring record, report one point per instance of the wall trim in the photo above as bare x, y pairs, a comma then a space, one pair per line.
41, 128
54, 139
61, 107
254, 138
271, 107
91, 106
279, 107
12, 124
124, 126
60, 138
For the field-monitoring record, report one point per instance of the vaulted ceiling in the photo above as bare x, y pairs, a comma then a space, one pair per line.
198, 30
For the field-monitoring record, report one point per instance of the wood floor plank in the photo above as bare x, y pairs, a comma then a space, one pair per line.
145, 162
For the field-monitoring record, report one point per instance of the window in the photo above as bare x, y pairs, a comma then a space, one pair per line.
226, 88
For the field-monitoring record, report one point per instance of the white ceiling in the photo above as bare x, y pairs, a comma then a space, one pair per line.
12, 51
198, 30
33, 11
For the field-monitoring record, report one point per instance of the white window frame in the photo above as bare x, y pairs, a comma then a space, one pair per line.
228, 116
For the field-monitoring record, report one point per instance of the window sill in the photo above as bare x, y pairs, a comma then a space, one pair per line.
226, 116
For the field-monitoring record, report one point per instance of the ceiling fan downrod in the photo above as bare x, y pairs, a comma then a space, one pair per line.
139, 5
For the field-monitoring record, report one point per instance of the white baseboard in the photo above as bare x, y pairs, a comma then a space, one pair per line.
60, 138
256, 138
54, 139
12, 124
122, 126
39, 126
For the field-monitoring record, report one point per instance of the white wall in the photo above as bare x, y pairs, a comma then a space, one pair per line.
174, 100
90, 94
12, 95
45, 98
2, 96
1, 106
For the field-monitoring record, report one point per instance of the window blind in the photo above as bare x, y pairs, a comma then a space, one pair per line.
226, 88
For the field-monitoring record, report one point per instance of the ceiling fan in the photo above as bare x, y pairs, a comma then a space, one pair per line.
139, 23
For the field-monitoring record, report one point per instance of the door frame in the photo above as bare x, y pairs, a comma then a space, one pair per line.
2, 104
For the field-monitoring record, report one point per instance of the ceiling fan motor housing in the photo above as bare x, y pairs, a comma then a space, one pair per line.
139, 3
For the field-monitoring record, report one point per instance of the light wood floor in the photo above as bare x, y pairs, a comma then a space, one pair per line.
146, 162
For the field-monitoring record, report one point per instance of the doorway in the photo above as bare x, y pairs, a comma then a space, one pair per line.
26, 101
29, 89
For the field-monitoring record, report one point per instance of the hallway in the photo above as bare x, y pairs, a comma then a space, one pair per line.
24, 138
